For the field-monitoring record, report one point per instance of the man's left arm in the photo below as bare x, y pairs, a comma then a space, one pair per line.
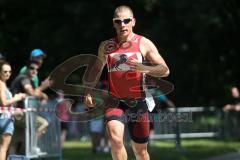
158, 66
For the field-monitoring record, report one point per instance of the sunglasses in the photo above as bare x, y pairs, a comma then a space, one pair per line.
33, 68
7, 72
119, 21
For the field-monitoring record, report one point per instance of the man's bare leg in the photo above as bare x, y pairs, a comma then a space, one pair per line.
115, 132
140, 151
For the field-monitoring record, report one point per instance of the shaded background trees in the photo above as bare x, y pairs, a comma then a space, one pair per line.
199, 40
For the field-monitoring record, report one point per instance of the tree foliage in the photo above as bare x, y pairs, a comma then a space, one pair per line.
199, 40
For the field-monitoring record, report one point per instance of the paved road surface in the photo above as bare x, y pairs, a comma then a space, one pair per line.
229, 156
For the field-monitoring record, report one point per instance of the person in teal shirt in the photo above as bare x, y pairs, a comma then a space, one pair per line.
37, 55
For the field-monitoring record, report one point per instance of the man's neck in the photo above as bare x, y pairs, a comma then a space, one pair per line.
125, 39
28, 75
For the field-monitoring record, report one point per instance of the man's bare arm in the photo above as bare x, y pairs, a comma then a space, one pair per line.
94, 75
31, 91
159, 68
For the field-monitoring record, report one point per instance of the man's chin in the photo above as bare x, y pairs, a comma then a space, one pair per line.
124, 35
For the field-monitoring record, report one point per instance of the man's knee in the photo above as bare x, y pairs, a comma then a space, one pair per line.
140, 149
115, 138
116, 142
141, 152
45, 123
42, 121
115, 133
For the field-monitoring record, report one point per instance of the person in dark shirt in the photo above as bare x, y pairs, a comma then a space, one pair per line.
23, 83
235, 100
36, 55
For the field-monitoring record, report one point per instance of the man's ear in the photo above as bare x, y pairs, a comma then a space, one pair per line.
133, 22
114, 25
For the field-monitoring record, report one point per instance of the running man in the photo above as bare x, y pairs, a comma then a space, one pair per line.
124, 55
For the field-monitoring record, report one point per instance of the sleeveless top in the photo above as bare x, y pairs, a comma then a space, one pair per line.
8, 114
124, 83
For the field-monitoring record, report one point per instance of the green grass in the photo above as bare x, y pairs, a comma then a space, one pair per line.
159, 150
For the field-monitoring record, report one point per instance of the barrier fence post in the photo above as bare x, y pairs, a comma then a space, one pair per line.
177, 129
49, 145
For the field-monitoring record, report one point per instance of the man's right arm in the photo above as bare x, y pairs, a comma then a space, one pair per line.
92, 77
26, 83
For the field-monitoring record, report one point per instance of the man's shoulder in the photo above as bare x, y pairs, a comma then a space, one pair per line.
107, 41
109, 45
144, 39
103, 43
102, 47
146, 43
23, 70
21, 77
110, 40
19, 81
138, 35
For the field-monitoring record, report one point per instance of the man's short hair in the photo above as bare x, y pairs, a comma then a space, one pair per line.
122, 9
32, 62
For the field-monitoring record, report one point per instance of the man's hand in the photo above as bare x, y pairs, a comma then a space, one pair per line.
138, 66
45, 84
44, 96
88, 101
44, 99
156, 70
19, 96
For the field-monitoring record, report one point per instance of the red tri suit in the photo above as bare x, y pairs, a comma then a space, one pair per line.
128, 86
124, 82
